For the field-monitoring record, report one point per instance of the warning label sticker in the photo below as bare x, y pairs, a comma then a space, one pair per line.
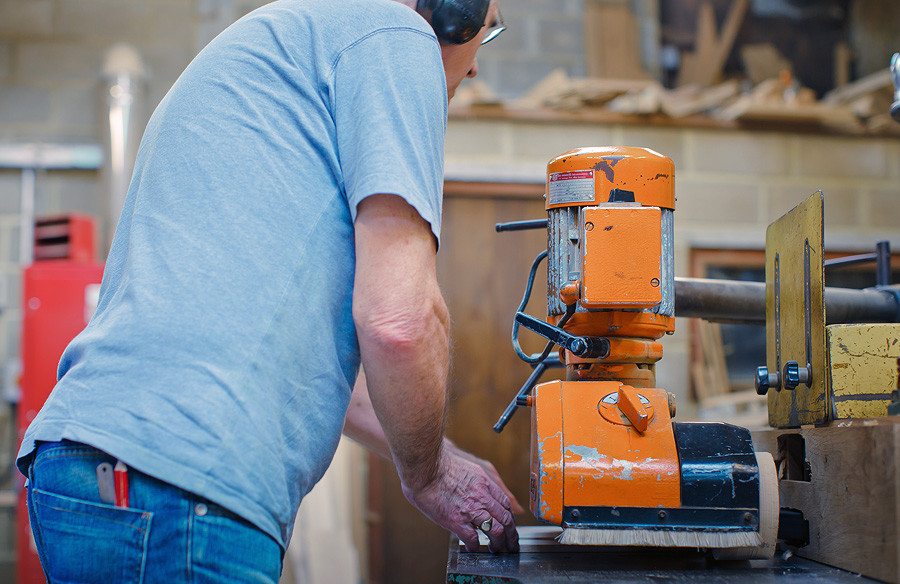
576, 186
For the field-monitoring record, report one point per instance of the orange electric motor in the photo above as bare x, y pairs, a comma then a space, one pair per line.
607, 461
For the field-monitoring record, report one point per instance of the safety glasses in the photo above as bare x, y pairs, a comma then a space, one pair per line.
495, 29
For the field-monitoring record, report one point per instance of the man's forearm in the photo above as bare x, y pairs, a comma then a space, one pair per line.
406, 375
403, 329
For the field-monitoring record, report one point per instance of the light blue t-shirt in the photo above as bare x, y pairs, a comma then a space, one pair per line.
223, 351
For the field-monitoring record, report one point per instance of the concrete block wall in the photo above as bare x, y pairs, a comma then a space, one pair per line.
541, 36
729, 185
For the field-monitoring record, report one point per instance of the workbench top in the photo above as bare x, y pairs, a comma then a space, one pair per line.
542, 560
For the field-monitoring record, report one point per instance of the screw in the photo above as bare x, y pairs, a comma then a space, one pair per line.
748, 517
588, 226
654, 282
662, 515
576, 513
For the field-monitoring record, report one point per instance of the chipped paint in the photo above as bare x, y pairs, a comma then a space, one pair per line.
583, 452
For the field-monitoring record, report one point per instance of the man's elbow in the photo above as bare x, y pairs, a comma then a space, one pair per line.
403, 329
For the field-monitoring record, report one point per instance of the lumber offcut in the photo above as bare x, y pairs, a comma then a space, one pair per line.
845, 479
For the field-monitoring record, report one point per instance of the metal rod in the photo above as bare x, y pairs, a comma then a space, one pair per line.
526, 389
883, 263
521, 225
745, 302
863, 258
26, 217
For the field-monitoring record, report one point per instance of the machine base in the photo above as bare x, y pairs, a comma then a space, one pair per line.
543, 560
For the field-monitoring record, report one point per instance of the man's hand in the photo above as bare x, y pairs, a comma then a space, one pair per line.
462, 497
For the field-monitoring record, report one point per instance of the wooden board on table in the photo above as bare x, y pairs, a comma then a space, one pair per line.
852, 497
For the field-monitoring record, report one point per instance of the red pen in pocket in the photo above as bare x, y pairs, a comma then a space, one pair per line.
121, 479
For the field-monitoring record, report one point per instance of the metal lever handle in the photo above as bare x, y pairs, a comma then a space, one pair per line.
587, 347
526, 389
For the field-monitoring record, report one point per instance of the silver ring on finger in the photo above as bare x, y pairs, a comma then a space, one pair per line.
486, 525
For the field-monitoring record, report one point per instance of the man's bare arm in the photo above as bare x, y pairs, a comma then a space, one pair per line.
403, 329
361, 425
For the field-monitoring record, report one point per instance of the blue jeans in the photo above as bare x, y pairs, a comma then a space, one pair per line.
166, 535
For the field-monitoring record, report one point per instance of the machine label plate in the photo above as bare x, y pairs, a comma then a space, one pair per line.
575, 186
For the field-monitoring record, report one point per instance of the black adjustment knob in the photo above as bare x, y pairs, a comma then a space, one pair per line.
766, 381
794, 375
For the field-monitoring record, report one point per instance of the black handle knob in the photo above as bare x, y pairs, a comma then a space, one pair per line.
794, 375
766, 381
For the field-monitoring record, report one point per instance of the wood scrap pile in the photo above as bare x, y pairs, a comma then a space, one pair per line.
768, 92
862, 106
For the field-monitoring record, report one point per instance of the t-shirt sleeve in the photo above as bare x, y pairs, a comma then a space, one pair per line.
390, 113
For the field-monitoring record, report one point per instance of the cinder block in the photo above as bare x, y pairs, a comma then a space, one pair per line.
518, 75
79, 105
668, 142
884, 208
12, 245
473, 139
5, 60
716, 202
741, 153
514, 40
104, 19
31, 18
10, 191
842, 205
173, 24
864, 158
12, 333
24, 105
562, 36
545, 141
56, 60
83, 191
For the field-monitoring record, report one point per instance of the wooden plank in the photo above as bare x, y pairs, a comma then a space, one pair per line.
692, 99
611, 40
711, 49
763, 61
868, 84
842, 58
852, 497
726, 40
695, 65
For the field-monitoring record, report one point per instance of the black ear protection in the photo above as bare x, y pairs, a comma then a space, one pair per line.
454, 21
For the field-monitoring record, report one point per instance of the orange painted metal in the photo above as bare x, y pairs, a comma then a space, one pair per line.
647, 325
622, 252
591, 454
625, 350
585, 176
545, 487
604, 436
633, 374
631, 469
630, 405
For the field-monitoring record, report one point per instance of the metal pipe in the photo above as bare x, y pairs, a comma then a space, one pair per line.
883, 263
745, 302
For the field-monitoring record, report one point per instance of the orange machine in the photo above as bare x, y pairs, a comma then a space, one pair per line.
608, 463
